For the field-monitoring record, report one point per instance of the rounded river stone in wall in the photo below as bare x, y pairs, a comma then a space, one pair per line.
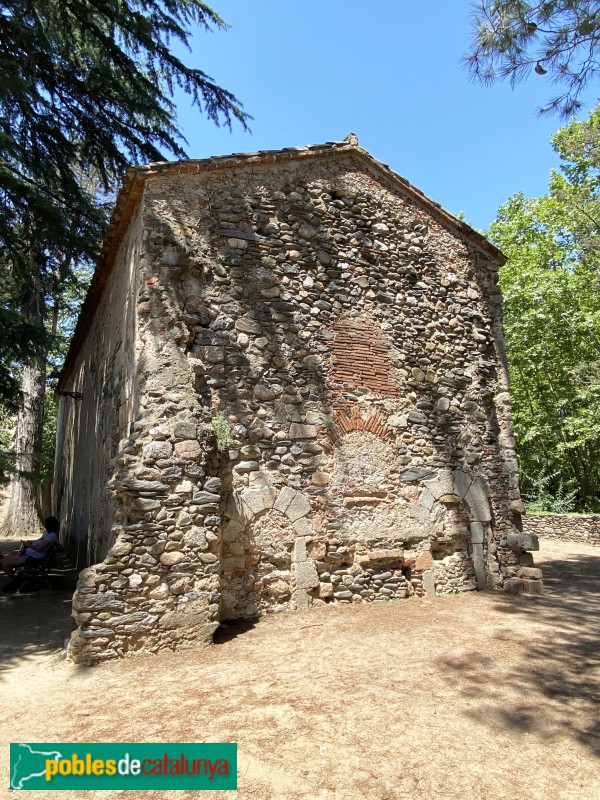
171, 558
156, 450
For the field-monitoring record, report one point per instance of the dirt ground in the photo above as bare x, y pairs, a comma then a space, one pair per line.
481, 697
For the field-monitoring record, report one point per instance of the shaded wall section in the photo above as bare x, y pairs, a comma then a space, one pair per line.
89, 430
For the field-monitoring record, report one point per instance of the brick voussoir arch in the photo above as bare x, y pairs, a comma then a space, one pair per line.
349, 419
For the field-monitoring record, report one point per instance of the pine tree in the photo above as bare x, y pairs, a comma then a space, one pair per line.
559, 39
85, 90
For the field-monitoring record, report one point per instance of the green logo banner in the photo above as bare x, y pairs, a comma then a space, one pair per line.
152, 766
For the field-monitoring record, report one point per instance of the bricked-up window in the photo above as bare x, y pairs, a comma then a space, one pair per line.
360, 358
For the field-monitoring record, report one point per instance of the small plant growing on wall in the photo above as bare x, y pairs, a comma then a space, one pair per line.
222, 428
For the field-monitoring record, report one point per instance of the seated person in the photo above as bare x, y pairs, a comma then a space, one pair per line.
33, 552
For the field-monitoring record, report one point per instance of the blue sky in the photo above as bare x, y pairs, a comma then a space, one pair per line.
390, 72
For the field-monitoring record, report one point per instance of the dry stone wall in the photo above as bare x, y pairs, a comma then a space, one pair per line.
569, 527
323, 412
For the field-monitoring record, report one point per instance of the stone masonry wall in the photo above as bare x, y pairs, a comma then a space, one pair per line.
323, 410
569, 527
89, 430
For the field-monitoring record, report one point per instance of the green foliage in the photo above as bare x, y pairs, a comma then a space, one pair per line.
7, 456
577, 186
547, 493
551, 288
46, 468
86, 86
222, 428
559, 39
85, 90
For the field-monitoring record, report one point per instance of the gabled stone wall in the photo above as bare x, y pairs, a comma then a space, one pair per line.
323, 412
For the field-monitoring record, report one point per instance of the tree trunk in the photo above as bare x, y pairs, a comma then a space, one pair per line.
46, 499
24, 513
24, 516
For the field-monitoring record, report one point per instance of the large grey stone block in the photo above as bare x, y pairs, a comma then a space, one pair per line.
428, 582
299, 507
435, 487
246, 466
446, 479
462, 483
306, 575
517, 506
303, 527
427, 499
301, 598
156, 450
522, 541
513, 586
193, 614
479, 565
126, 619
532, 573
477, 500
105, 601
416, 474
145, 504
202, 498
232, 531
92, 633
286, 495
300, 431
259, 499
300, 549
419, 513
236, 509
477, 532
141, 486
533, 586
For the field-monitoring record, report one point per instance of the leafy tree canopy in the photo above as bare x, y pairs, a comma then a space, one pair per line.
551, 287
559, 39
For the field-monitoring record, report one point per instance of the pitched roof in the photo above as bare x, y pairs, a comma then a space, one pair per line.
133, 188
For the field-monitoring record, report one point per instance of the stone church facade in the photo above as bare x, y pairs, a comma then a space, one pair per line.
294, 393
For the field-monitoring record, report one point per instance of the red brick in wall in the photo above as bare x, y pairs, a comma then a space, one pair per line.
348, 418
360, 358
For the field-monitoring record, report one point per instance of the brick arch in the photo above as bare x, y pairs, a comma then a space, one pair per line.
349, 418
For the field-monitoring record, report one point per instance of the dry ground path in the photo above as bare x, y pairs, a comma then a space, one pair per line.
481, 696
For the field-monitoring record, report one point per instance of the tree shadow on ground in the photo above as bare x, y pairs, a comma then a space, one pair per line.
38, 621
554, 688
